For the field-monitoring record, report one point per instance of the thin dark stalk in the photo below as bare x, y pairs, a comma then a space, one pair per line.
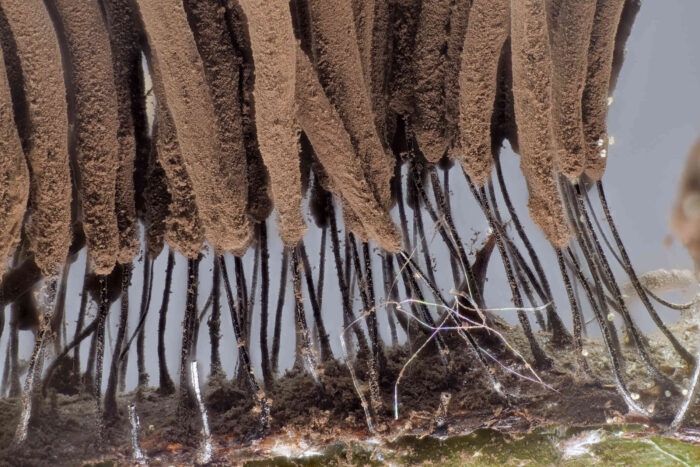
576, 318
258, 394
264, 301
326, 353
304, 354
321, 268
584, 243
60, 313
214, 323
110, 410
560, 334
139, 332
15, 385
146, 294
242, 301
521, 232
6, 368
540, 358
613, 353
390, 296
36, 361
455, 250
366, 286
631, 326
343, 285
413, 290
443, 207
84, 296
528, 294
242, 294
402, 209
448, 206
413, 269
89, 330
166, 385
278, 313
627, 264
103, 311
253, 293
186, 400
89, 377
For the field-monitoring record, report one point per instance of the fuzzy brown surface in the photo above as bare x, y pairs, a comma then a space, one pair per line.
333, 147
220, 202
570, 32
372, 26
221, 68
429, 65
596, 92
532, 68
158, 201
459, 21
14, 177
685, 217
43, 128
259, 197
184, 231
488, 29
93, 96
126, 57
274, 52
339, 65
404, 24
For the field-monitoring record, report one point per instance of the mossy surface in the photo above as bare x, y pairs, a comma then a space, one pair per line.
605, 445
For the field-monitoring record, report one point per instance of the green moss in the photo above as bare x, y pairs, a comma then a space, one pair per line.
614, 445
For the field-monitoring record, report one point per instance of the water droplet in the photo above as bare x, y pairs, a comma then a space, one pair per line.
634, 396
584, 352
684, 392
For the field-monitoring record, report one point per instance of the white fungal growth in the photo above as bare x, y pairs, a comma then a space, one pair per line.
204, 455
603, 153
600, 142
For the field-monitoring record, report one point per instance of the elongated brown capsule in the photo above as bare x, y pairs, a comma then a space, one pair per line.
332, 145
597, 90
338, 63
43, 129
570, 35
128, 79
429, 69
532, 71
221, 204
95, 124
487, 31
14, 177
274, 53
